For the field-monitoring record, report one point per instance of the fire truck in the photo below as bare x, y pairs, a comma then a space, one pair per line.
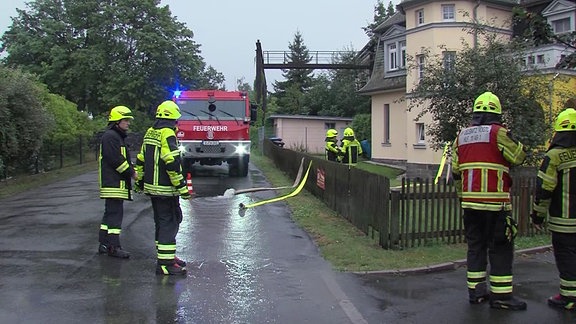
215, 128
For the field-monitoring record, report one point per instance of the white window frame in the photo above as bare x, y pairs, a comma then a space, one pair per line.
419, 17
563, 21
402, 58
421, 66
449, 60
420, 133
392, 56
386, 120
448, 12
329, 125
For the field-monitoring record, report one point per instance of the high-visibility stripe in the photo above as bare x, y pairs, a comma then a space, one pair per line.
486, 206
104, 227
501, 284
474, 278
501, 279
166, 251
566, 193
114, 231
123, 167
484, 165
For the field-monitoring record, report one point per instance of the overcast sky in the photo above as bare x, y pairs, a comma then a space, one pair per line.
227, 30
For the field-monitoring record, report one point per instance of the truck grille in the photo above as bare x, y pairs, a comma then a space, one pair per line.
212, 149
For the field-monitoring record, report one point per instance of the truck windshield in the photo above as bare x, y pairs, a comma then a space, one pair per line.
221, 110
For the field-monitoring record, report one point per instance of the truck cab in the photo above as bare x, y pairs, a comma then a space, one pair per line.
215, 128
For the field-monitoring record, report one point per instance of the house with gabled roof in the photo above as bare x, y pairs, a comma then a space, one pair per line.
398, 135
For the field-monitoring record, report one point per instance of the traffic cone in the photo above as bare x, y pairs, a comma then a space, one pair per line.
189, 184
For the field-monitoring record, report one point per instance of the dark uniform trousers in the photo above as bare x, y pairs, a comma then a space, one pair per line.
486, 237
564, 245
167, 219
111, 224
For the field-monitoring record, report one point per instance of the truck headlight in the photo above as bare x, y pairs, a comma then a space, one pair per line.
241, 149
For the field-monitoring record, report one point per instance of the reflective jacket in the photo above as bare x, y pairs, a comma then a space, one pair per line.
332, 150
114, 167
158, 163
483, 155
556, 187
351, 149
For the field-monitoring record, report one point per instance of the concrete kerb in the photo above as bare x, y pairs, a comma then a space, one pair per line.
447, 265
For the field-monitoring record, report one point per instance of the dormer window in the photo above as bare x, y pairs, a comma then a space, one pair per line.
561, 25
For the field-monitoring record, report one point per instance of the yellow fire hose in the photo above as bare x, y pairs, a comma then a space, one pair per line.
292, 194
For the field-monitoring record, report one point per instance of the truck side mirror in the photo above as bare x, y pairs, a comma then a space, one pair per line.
253, 113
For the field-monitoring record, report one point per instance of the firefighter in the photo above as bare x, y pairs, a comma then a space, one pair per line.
555, 196
351, 148
160, 177
332, 150
483, 154
115, 180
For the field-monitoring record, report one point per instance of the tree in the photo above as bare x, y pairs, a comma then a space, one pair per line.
99, 54
381, 13
536, 29
24, 120
447, 92
344, 88
298, 81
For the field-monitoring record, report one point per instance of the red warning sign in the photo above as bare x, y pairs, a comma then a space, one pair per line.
320, 176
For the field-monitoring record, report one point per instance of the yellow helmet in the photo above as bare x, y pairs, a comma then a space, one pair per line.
120, 112
331, 133
348, 132
488, 103
566, 121
168, 110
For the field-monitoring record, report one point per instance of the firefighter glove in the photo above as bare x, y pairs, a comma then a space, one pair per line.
511, 228
536, 220
184, 193
139, 186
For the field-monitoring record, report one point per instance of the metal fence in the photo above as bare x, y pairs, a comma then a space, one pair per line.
417, 213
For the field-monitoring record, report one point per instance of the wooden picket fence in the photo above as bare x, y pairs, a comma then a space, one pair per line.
417, 213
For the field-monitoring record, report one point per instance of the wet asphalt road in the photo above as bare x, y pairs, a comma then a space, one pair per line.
259, 268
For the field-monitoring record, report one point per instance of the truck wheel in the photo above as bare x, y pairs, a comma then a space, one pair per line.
243, 166
239, 167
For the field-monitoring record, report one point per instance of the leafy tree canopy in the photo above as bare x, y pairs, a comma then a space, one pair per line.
381, 13
24, 120
99, 54
298, 81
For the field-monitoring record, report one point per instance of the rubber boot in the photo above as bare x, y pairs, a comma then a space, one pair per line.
170, 269
479, 294
117, 252
560, 302
102, 249
179, 262
510, 303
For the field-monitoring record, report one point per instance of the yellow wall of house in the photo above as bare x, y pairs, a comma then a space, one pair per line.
435, 36
395, 149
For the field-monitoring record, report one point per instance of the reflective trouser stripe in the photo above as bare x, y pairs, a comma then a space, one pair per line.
166, 251
475, 277
114, 231
501, 284
104, 227
567, 288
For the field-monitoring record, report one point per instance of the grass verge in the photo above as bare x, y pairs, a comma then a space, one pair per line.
348, 249
19, 184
